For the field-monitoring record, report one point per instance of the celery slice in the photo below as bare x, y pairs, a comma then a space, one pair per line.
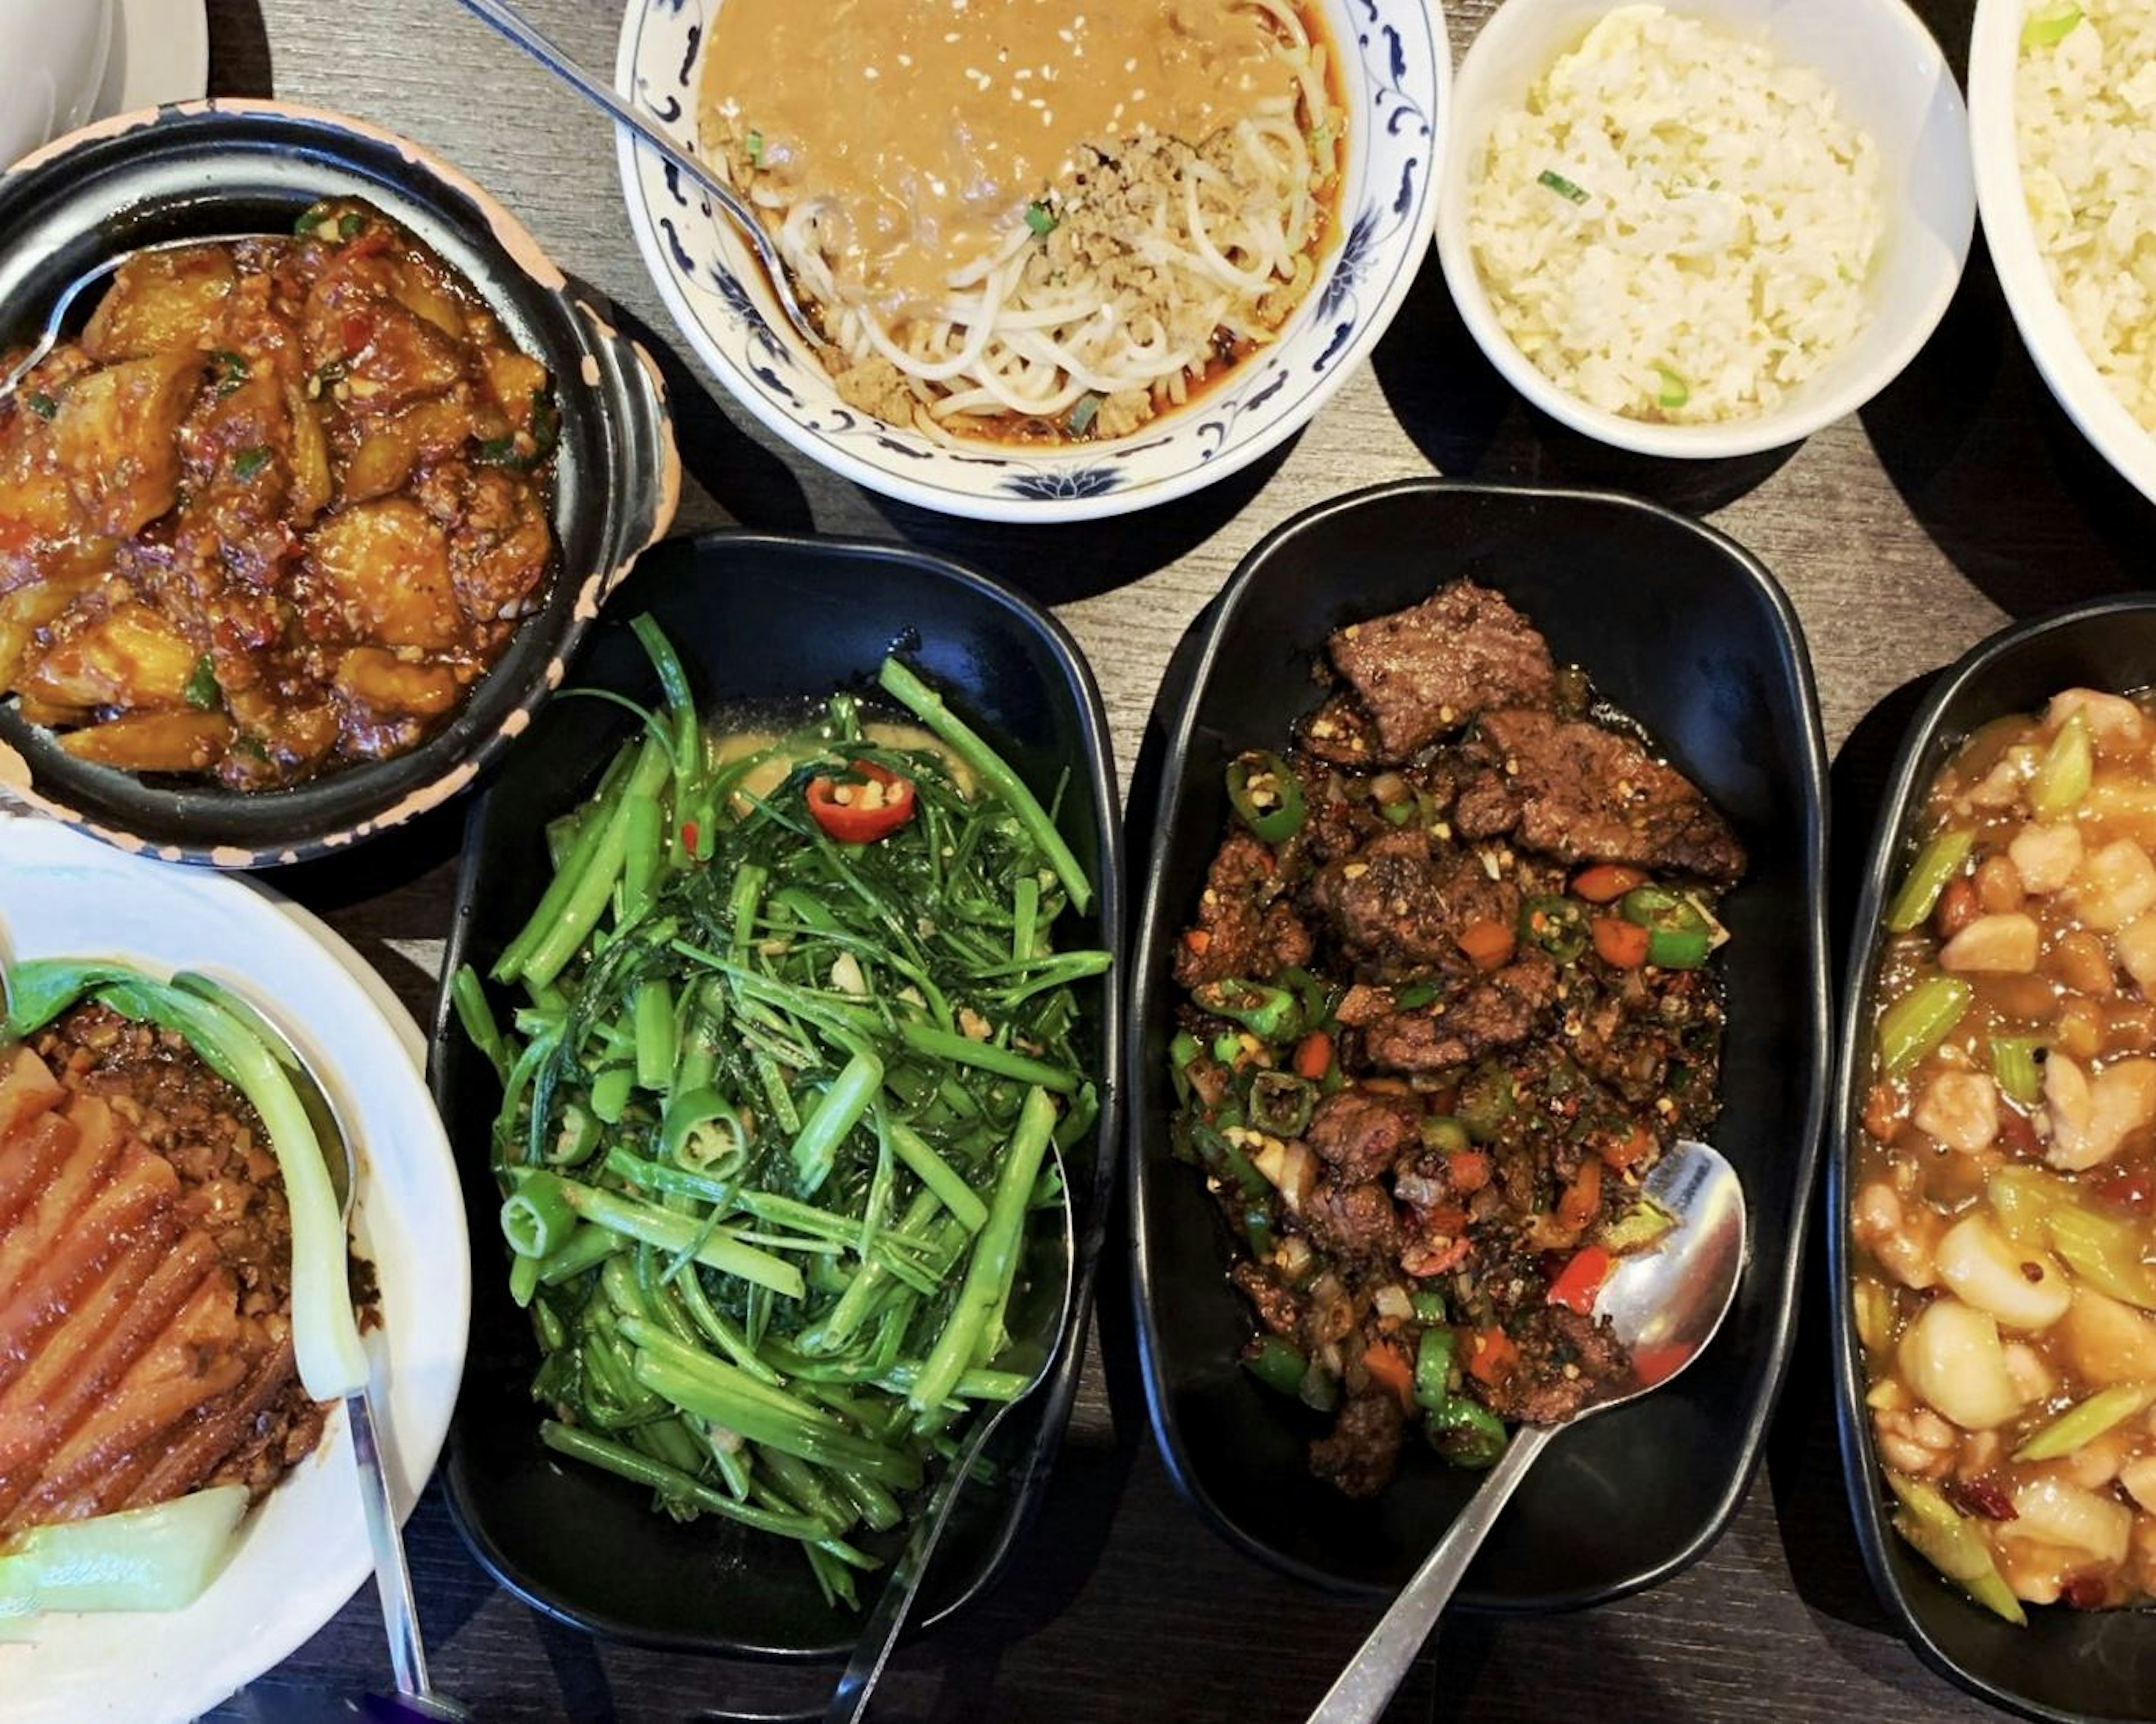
1952, 1544
157, 1558
2086, 1420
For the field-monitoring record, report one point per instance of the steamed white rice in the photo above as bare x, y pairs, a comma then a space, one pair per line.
1676, 225
2084, 108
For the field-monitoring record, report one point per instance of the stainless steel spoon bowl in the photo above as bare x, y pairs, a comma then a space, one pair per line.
1039, 1311
415, 1696
1667, 1305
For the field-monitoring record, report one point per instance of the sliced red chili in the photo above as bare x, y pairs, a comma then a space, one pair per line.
861, 814
1582, 1280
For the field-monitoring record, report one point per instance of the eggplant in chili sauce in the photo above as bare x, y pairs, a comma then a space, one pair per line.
1447, 997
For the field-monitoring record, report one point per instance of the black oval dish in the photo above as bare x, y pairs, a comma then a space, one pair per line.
228, 166
2067, 1664
1687, 632
755, 618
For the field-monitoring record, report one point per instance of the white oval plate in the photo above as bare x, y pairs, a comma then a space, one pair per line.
1397, 68
304, 1553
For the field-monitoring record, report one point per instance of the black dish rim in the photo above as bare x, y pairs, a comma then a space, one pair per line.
1916, 762
1148, 929
1061, 1389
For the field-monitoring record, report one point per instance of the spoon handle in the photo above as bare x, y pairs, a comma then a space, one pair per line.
849, 1699
527, 36
393, 1574
1367, 1686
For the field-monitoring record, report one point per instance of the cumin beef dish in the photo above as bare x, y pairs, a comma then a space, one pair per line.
146, 1346
1448, 996
276, 511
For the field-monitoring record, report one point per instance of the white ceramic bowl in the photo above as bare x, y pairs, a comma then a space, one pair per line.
52, 64
1891, 80
1995, 50
1396, 66
303, 1551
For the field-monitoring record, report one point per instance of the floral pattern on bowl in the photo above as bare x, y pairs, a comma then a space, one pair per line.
1397, 70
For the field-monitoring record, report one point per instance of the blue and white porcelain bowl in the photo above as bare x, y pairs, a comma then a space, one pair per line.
1395, 76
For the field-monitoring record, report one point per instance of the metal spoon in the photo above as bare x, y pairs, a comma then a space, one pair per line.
1672, 1300
415, 1696
520, 29
56, 319
1036, 1322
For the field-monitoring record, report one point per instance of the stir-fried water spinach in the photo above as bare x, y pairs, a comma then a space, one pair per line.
794, 1044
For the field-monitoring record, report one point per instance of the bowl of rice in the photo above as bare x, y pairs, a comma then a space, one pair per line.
1707, 228
2062, 123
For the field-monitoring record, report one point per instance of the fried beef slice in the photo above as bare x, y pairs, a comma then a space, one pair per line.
1428, 670
1582, 793
1566, 1362
1359, 1458
1399, 901
1360, 1133
1246, 928
1495, 1011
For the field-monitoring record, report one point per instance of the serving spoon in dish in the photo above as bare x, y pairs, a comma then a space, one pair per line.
415, 1697
1039, 1311
1665, 1306
527, 36
56, 318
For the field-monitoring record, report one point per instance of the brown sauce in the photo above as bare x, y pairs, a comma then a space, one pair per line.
927, 126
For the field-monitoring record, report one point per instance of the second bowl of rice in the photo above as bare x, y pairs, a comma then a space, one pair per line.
2062, 123
1707, 228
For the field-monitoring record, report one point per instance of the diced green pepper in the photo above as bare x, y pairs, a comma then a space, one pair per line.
1486, 1101
1445, 1134
2047, 26
1556, 924
1435, 1354
1269, 1013
202, 692
1276, 1363
1679, 937
1280, 1103
1266, 796
1466, 1432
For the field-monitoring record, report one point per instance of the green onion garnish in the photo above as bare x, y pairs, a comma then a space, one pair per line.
231, 370
1041, 219
1675, 391
2052, 25
755, 142
248, 462
308, 222
1559, 184
349, 224
42, 404
202, 690
1083, 414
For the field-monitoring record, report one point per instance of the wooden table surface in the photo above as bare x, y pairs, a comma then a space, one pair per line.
1961, 498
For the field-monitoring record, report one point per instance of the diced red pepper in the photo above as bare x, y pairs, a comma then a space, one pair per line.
1581, 1281
1606, 882
1388, 1365
1620, 942
1491, 1356
1468, 1170
856, 821
1313, 1056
